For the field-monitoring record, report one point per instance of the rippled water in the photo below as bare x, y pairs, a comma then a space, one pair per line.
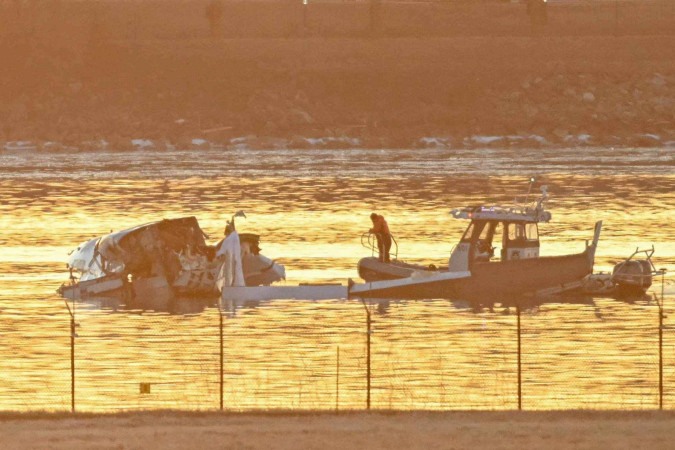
311, 207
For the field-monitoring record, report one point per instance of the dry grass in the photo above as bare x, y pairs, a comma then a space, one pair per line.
386, 430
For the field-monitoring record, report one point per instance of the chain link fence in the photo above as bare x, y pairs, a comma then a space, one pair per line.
602, 354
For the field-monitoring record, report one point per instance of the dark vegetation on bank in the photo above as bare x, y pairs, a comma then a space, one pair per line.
77, 73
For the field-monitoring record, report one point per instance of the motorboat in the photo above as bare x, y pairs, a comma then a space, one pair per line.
166, 258
497, 256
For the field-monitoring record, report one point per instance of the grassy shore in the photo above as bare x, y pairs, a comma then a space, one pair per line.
382, 430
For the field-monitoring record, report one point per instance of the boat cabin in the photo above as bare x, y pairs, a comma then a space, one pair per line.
498, 234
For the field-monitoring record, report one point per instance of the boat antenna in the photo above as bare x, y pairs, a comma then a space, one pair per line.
529, 189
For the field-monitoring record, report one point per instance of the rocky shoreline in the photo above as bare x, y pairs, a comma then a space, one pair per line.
253, 142
90, 90
563, 110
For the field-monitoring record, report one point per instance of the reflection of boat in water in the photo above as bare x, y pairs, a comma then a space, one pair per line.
164, 259
477, 267
115, 302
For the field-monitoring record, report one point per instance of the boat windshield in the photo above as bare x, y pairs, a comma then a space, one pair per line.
468, 233
523, 232
486, 230
497, 234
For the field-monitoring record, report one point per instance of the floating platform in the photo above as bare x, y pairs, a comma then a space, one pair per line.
299, 292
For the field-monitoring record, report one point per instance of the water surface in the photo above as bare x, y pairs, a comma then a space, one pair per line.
311, 207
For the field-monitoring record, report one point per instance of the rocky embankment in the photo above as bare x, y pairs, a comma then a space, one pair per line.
340, 93
588, 109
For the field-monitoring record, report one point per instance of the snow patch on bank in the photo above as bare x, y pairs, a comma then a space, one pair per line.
254, 142
327, 141
20, 146
142, 144
434, 142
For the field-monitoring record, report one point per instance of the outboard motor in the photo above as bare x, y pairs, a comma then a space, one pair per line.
633, 277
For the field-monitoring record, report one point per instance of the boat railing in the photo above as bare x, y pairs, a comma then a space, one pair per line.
369, 241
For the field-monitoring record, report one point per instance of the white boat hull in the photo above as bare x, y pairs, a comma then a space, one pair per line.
418, 285
301, 292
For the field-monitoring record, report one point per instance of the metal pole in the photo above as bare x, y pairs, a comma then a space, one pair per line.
661, 316
72, 363
368, 331
529, 189
661, 354
71, 311
222, 356
337, 381
368, 356
520, 380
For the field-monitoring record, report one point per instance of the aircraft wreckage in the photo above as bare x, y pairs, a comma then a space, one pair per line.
167, 257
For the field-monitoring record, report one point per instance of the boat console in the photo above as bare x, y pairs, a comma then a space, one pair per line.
514, 226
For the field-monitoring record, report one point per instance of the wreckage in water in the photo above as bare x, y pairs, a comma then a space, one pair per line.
172, 258
168, 257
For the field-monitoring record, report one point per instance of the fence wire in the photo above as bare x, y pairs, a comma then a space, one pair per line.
438, 355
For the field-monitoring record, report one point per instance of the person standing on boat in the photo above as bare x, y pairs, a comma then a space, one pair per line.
381, 231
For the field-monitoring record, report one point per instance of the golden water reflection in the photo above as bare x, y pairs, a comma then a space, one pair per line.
439, 354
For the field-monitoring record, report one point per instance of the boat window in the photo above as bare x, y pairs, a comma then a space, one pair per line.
516, 231
532, 232
468, 233
485, 233
497, 233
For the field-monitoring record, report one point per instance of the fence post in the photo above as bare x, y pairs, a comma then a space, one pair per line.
661, 317
337, 381
71, 312
222, 355
368, 322
660, 354
368, 331
72, 363
520, 379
